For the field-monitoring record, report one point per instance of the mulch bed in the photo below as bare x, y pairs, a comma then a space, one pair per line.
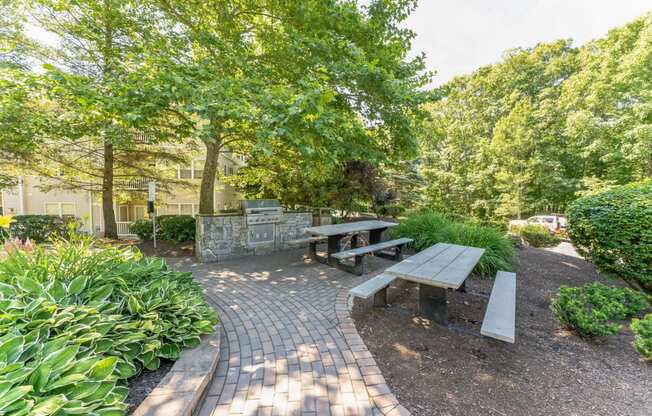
435, 370
167, 248
143, 384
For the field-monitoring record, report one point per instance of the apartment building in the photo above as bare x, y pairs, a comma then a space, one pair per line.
36, 195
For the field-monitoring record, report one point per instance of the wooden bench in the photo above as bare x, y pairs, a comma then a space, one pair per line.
360, 252
376, 287
500, 318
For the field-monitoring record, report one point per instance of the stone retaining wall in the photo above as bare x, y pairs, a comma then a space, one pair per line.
221, 237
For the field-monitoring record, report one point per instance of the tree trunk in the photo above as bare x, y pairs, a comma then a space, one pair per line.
208, 178
110, 227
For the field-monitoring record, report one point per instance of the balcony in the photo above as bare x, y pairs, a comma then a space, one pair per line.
133, 184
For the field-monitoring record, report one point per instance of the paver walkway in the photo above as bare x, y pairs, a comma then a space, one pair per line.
289, 346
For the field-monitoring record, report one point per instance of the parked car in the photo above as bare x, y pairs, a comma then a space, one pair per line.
554, 223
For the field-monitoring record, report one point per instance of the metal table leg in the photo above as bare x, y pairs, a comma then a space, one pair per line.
432, 303
376, 235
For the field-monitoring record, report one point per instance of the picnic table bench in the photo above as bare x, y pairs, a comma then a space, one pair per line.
336, 232
440, 268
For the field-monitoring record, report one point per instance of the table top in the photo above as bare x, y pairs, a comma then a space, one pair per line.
442, 265
349, 227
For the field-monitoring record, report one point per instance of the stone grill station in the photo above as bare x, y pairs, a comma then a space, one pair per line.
261, 228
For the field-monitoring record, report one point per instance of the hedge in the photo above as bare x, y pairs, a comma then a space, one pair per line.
40, 228
613, 230
168, 227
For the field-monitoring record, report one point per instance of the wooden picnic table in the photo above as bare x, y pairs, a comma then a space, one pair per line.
336, 232
436, 269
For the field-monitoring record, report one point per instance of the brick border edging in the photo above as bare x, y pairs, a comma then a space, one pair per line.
182, 388
377, 388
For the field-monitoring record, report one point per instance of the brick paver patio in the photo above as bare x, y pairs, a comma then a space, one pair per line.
289, 346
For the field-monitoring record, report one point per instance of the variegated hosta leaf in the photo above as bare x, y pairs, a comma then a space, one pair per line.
75, 319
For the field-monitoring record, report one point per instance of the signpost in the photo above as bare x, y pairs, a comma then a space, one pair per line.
151, 197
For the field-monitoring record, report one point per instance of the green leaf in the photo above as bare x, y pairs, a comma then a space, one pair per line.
103, 369
77, 285
49, 406
13, 395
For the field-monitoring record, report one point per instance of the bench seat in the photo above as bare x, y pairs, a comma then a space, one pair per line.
376, 287
360, 251
306, 240
500, 318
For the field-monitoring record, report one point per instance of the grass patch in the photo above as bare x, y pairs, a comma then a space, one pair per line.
427, 228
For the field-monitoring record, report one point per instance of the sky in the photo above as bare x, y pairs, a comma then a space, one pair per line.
459, 36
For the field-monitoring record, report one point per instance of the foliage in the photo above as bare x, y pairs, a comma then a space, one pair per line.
612, 230
142, 228
40, 228
390, 210
76, 321
591, 310
176, 227
547, 124
168, 227
427, 228
537, 235
642, 329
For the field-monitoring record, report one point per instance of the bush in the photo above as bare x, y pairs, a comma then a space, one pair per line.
168, 227
142, 228
41, 228
642, 329
538, 236
612, 230
390, 210
427, 228
76, 321
176, 227
592, 309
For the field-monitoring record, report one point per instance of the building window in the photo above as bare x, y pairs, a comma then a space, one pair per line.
60, 208
195, 171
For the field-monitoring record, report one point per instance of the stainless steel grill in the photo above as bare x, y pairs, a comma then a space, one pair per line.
261, 216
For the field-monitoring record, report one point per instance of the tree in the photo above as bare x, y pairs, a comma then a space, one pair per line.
91, 98
326, 80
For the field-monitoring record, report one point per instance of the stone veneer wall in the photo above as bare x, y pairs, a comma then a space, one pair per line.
221, 237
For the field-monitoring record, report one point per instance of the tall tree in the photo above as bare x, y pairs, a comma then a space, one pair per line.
327, 80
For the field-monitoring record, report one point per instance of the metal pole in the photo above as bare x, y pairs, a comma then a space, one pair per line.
154, 228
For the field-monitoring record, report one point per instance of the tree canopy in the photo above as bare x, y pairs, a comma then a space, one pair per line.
546, 124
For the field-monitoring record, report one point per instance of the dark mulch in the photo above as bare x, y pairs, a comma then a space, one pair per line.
435, 370
143, 384
167, 248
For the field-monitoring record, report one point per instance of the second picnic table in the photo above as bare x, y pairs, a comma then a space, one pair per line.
437, 269
336, 232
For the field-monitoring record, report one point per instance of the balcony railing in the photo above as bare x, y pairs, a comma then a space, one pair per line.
133, 184
123, 228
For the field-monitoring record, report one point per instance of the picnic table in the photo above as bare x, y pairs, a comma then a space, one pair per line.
437, 269
336, 232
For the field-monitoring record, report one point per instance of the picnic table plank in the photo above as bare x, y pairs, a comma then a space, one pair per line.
348, 228
404, 268
429, 271
454, 275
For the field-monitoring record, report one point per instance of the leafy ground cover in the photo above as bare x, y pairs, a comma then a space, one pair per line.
642, 329
594, 309
428, 228
76, 321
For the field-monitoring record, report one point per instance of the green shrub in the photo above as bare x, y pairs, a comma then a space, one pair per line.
613, 230
176, 227
76, 321
538, 236
142, 228
591, 310
40, 228
390, 210
168, 227
642, 329
427, 228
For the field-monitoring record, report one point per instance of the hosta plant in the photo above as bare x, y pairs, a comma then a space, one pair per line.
76, 321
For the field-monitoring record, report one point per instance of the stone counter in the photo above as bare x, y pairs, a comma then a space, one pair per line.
221, 237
